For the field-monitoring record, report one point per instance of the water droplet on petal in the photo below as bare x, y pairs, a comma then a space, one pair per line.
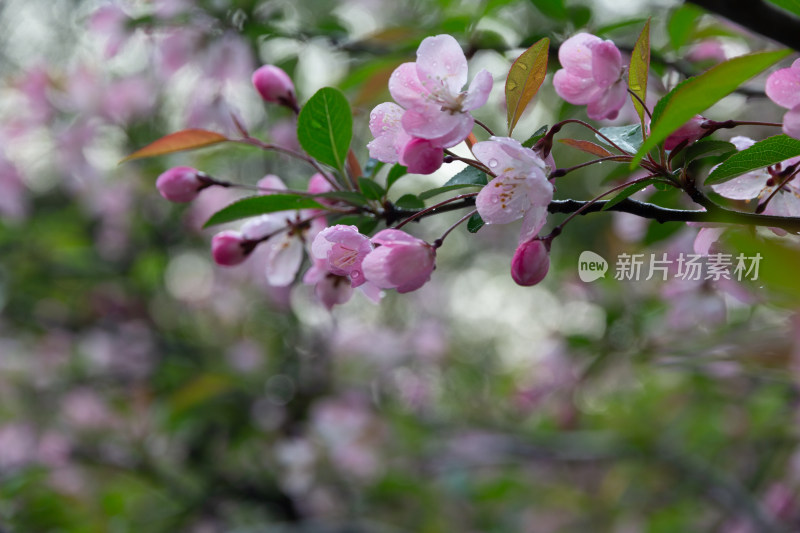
492, 163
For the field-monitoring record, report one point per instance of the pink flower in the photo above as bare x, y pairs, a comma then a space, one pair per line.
392, 144
400, 261
229, 248
180, 184
274, 85
520, 190
343, 248
689, 132
783, 88
592, 75
530, 263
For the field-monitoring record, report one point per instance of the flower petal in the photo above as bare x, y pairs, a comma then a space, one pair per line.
421, 157
606, 63
783, 87
441, 64
478, 91
283, 260
791, 122
442, 128
575, 54
385, 125
405, 87
745, 187
508, 197
532, 223
574, 89
608, 103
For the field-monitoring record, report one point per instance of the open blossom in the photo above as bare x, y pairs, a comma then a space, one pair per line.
343, 249
434, 110
392, 144
400, 261
592, 75
783, 88
760, 184
520, 190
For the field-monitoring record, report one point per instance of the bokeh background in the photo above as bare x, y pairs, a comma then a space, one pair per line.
144, 389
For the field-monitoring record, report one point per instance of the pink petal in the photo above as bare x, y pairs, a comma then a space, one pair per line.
270, 184
530, 263
575, 54
441, 64
532, 222
478, 92
783, 87
504, 155
705, 238
791, 122
384, 123
431, 123
609, 102
259, 227
606, 63
405, 87
744, 187
574, 89
333, 290
283, 260
395, 236
509, 197
741, 142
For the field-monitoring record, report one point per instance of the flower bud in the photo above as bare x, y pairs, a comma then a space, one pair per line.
274, 85
229, 248
420, 156
180, 184
530, 263
400, 261
689, 132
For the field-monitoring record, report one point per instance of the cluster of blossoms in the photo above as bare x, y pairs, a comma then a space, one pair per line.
431, 113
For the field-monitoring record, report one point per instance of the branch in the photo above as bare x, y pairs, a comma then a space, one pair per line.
641, 209
758, 16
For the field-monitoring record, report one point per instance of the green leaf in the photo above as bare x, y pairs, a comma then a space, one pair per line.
707, 148
409, 201
538, 134
639, 69
524, 79
475, 223
397, 172
792, 6
325, 127
554, 9
630, 190
468, 176
701, 92
681, 23
761, 155
355, 198
259, 205
629, 138
441, 190
371, 190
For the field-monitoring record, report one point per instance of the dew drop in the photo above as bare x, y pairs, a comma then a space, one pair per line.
495, 200
492, 163
523, 66
512, 85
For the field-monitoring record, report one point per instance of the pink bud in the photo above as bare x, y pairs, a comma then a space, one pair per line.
530, 263
689, 132
230, 248
274, 85
401, 261
180, 184
421, 156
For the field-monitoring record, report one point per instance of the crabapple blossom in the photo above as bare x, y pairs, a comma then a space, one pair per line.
275, 86
392, 144
689, 132
434, 107
521, 188
400, 261
592, 75
343, 248
530, 263
180, 184
229, 248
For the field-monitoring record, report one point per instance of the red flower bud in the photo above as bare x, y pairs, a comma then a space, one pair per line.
229, 248
180, 184
274, 85
530, 263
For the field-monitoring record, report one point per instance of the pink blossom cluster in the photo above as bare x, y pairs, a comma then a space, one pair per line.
433, 111
591, 75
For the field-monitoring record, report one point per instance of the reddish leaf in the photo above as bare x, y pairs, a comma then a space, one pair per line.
588, 147
178, 141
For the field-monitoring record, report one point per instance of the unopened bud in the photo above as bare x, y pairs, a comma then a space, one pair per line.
229, 248
181, 184
530, 263
274, 85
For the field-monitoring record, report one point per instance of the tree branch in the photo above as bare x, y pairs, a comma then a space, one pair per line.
759, 16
